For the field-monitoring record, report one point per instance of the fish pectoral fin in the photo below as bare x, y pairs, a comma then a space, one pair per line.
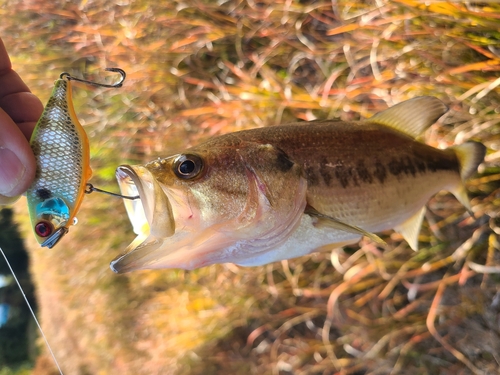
332, 222
412, 116
410, 229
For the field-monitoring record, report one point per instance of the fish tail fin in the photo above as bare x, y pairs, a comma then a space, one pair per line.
469, 155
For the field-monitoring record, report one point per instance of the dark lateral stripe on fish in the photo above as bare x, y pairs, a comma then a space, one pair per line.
325, 172
380, 172
358, 173
363, 172
283, 163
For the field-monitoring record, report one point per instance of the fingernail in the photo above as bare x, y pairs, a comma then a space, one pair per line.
11, 171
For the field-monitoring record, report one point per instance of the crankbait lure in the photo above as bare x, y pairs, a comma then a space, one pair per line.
61, 148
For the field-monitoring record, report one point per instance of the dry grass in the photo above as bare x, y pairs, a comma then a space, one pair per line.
200, 68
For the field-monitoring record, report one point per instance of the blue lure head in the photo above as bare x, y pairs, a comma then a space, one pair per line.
52, 217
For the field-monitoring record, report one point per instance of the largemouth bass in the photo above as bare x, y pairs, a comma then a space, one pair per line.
262, 195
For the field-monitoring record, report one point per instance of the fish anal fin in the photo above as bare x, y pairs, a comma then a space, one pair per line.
461, 194
410, 229
413, 116
332, 222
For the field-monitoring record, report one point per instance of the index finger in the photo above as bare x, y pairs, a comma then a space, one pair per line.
13, 83
16, 98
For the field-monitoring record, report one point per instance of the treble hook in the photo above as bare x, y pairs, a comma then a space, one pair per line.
90, 188
117, 70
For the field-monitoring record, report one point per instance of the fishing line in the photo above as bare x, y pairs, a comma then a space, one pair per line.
32, 312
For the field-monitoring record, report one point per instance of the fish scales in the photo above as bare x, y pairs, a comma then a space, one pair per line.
263, 195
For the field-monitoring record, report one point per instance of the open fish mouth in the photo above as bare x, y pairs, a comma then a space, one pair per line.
150, 215
131, 185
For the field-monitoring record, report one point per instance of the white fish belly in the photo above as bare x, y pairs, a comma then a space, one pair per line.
304, 240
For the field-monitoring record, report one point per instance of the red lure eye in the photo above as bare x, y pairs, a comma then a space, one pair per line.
43, 229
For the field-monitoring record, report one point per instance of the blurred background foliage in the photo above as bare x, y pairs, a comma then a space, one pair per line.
198, 68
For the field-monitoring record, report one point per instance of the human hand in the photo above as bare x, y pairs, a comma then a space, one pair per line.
19, 113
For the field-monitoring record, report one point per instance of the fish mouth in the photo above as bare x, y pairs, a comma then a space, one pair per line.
153, 218
150, 215
131, 185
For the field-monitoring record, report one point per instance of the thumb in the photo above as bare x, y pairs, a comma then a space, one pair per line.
17, 162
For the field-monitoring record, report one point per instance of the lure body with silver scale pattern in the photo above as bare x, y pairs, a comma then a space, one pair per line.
61, 148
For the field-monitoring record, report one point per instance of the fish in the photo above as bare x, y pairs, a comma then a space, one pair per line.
263, 195
61, 148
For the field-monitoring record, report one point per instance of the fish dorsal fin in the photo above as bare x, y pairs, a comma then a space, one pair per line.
412, 116
329, 221
410, 229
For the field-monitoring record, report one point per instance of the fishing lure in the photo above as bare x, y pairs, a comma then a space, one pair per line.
61, 149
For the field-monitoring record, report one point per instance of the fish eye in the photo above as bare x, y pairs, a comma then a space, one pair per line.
44, 229
188, 166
